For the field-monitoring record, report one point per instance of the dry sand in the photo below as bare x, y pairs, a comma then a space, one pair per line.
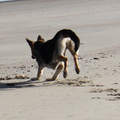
94, 94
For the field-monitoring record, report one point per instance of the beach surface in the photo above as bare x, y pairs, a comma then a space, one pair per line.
94, 94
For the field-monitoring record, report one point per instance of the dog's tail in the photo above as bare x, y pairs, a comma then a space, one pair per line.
71, 34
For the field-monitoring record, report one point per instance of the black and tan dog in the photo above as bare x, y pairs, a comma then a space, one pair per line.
51, 53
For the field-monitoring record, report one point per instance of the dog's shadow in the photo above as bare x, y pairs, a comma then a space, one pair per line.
32, 82
8, 84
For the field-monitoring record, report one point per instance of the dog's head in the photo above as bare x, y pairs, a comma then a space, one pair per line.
32, 45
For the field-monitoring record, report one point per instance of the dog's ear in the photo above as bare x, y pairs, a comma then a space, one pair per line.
30, 42
40, 38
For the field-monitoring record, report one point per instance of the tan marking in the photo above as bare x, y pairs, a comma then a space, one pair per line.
39, 73
75, 60
31, 44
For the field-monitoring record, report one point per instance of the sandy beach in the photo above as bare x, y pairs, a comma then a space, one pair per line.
94, 94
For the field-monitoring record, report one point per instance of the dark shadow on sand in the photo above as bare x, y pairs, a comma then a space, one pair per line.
31, 82
7, 84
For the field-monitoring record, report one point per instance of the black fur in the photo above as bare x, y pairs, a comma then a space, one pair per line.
45, 50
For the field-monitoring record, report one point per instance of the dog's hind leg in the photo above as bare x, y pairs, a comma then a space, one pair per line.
39, 72
76, 64
75, 60
65, 60
57, 72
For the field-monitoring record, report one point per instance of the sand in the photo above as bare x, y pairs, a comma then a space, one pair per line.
94, 94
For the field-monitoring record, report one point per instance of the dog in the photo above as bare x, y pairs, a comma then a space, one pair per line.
51, 53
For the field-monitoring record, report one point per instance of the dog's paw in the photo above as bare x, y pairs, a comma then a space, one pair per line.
38, 78
77, 70
65, 74
33, 79
50, 79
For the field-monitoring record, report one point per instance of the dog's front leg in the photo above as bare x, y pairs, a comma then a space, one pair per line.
39, 72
